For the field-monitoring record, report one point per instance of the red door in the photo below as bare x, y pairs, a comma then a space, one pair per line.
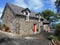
34, 28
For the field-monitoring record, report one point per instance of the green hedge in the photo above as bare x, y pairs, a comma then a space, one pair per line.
57, 29
52, 37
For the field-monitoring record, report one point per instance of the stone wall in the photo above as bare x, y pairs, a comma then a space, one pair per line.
18, 24
26, 27
9, 19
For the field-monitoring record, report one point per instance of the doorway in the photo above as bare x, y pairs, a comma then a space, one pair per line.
34, 26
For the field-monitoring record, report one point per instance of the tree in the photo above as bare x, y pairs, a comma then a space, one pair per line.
57, 30
48, 14
57, 4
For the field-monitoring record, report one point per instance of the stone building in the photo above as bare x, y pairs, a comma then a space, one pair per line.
22, 20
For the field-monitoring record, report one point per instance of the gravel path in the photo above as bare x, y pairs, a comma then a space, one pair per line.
5, 40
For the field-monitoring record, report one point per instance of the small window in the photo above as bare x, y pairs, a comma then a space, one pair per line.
41, 19
23, 12
27, 14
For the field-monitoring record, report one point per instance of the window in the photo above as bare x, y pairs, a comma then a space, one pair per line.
24, 13
27, 13
41, 19
27, 17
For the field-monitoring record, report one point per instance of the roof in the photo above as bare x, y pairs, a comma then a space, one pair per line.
44, 20
17, 11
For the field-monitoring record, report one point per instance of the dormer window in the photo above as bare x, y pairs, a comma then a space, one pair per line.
38, 16
27, 13
24, 13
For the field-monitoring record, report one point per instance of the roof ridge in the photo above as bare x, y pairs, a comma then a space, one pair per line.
19, 7
14, 5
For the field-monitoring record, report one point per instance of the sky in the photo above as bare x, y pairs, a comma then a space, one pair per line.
33, 5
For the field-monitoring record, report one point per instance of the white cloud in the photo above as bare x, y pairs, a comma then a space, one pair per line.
50, 1
35, 4
0, 15
53, 1
1, 10
21, 3
31, 4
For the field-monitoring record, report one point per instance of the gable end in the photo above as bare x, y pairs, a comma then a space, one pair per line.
5, 9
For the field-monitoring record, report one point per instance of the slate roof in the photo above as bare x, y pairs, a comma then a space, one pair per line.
17, 11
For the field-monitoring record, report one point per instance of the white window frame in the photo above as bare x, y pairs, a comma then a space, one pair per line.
24, 13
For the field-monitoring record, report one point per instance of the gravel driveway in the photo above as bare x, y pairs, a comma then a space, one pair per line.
5, 40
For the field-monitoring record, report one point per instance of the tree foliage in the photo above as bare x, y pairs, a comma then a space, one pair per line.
57, 29
47, 14
57, 4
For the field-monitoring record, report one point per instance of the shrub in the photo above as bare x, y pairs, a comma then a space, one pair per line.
5, 28
52, 37
57, 29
